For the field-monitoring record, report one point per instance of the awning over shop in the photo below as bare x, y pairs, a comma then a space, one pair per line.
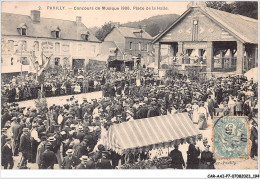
150, 133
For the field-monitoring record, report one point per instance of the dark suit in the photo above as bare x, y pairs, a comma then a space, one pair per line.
81, 166
177, 159
69, 162
7, 157
25, 148
254, 138
192, 157
48, 159
90, 164
207, 160
104, 163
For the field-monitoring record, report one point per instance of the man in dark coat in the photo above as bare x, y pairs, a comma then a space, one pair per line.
192, 156
254, 139
69, 161
48, 158
90, 163
82, 165
3, 137
104, 162
211, 105
5, 117
7, 154
177, 158
25, 146
207, 161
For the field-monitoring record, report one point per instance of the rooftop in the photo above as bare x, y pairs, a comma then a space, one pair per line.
69, 30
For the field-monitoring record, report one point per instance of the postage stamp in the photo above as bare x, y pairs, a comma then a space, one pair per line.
230, 137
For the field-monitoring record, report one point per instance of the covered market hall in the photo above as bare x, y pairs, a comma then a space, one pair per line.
208, 41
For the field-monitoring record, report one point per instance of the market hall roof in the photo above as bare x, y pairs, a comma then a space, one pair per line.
133, 32
243, 28
70, 30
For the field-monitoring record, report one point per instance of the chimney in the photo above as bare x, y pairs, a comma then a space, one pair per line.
35, 15
78, 20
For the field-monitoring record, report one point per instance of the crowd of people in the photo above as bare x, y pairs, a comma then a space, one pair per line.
71, 135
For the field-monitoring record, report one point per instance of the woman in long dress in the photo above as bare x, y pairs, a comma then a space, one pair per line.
195, 116
202, 112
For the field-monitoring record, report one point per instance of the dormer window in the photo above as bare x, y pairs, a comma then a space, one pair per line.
55, 30
57, 34
85, 35
22, 28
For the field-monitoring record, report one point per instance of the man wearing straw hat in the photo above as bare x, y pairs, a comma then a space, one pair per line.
83, 165
70, 161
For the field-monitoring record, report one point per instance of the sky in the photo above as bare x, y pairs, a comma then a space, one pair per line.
92, 13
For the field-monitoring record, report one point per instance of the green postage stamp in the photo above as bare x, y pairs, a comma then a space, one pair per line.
230, 137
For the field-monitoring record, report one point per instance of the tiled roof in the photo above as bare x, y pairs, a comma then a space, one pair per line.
106, 48
69, 29
243, 28
133, 32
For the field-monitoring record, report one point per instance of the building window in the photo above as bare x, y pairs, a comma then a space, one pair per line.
57, 61
23, 31
10, 45
86, 37
130, 45
23, 45
57, 34
147, 47
139, 46
24, 61
12, 61
57, 47
36, 46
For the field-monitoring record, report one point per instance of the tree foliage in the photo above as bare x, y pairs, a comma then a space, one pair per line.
103, 31
245, 8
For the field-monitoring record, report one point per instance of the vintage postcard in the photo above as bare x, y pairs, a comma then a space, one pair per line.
119, 85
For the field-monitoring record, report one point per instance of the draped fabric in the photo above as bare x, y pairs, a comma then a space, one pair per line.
150, 133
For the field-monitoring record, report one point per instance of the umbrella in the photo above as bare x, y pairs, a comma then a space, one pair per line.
253, 73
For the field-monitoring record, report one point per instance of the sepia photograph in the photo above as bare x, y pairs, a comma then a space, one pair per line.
129, 85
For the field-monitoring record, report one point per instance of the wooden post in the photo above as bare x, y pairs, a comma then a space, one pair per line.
180, 50
210, 63
240, 57
157, 47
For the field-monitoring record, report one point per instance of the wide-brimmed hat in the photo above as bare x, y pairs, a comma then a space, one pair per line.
69, 151
51, 139
84, 157
25, 130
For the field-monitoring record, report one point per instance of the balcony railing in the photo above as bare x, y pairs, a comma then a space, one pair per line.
225, 64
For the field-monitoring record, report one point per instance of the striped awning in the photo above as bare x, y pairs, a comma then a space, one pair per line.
151, 133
